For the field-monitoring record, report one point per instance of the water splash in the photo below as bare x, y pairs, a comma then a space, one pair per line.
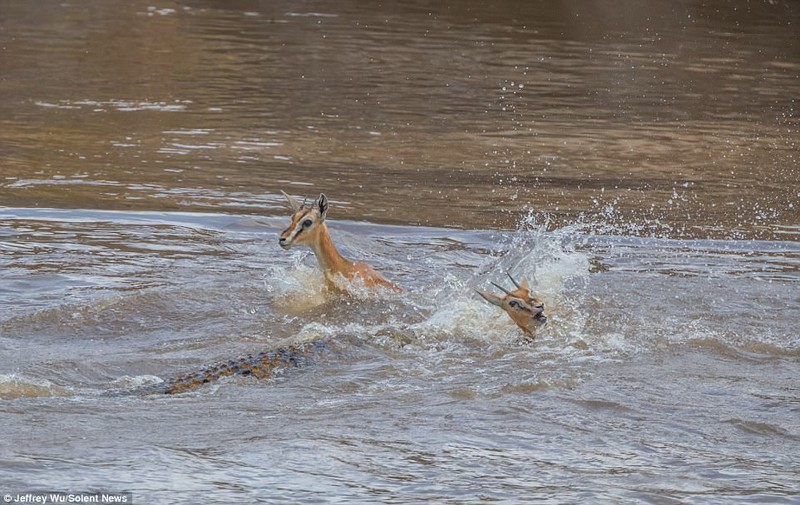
13, 386
549, 259
298, 288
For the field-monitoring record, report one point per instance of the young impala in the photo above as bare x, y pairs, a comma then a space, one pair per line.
524, 309
308, 228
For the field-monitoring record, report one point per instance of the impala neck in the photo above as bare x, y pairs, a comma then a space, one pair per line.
330, 261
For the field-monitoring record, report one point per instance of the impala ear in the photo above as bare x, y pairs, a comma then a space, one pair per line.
322, 205
493, 299
293, 204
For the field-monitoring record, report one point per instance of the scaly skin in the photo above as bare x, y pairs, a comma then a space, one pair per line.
262, 365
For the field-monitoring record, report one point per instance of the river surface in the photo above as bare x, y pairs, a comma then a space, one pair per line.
638, 163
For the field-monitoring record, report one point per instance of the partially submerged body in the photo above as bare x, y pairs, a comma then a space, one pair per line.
263, 365
308, 228
524, 309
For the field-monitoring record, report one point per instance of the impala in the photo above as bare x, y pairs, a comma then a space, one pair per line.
308, 228
524, 309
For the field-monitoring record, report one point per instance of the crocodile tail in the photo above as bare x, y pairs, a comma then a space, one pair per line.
262, 366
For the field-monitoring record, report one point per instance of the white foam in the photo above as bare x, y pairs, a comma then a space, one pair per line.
14, 386
137, 381
297, 288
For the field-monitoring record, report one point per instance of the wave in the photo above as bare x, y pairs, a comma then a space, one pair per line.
608, 297
13, 386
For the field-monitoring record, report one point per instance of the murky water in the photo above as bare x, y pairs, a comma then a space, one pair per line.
639, 164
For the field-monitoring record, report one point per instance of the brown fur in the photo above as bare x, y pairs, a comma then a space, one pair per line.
524, 309
318, 238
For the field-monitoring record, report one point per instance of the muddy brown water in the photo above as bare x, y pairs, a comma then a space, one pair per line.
637, 162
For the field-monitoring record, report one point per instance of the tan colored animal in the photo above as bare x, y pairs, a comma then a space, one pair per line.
308, 228
524, 309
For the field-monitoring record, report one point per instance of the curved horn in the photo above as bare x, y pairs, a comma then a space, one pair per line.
512, 280
501, 288
294, 204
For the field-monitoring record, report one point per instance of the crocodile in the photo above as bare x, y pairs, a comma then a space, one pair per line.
307, 228
262, 365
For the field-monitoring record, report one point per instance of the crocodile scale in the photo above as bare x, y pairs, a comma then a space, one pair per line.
262, 365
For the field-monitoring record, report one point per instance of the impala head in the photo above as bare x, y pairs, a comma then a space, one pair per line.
307, 221
525, 310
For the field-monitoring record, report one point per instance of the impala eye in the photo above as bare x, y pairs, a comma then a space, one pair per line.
307, 223
515, 304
